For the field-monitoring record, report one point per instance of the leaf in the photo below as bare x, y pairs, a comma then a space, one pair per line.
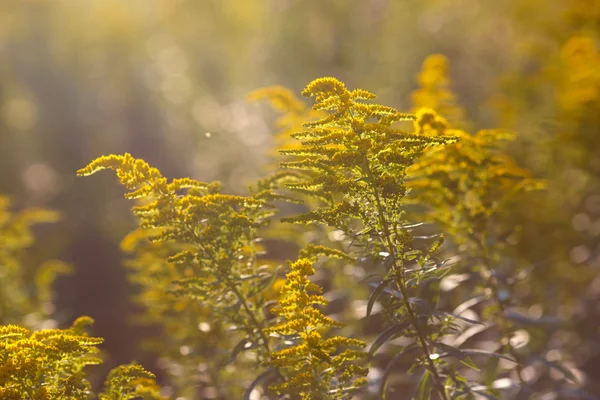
412, 254
366, 278
386, 335
468, 320
388, 369
262, 380
491, 371
527, 320
421, 304
469, 333
559, 367
468, 304
389, 261
451, 350
469, 363
364, 231
263, 284
241, 346
427, 237
411, 226
475, 352
376, 293
430, 292
462, 353
392, 292
424, 389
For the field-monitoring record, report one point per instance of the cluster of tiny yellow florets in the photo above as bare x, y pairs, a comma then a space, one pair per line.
353, 158
467, 182
434, 89
48, 364
130, 382
580, 82
315, 367
186, 211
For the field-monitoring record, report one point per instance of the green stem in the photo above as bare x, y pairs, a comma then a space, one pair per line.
401, 284
232, 286
258, 326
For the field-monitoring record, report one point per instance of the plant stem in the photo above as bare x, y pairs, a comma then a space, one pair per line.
401, 284
231, 285
255, 322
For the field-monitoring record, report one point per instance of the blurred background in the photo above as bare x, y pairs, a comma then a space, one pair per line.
167, 81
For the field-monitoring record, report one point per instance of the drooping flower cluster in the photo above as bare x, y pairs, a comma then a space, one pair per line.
196, 259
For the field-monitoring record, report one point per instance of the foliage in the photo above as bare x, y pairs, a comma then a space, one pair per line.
550, 93
196, 252
18, 296
469, 188
505, 307
359, 172
356, 162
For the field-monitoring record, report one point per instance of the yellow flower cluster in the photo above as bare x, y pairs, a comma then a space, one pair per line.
353, 158
465, 183
315, 367
434, 89
130, 382
580, 83
48, 364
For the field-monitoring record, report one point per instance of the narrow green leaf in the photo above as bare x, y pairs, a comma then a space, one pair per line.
263, 284
469, 363
376, 293
242, 345
424, 389
561, 368
406, 352
262, 380
386, 335
461, 354
468, 304
491, 371
468, 320
475, 352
